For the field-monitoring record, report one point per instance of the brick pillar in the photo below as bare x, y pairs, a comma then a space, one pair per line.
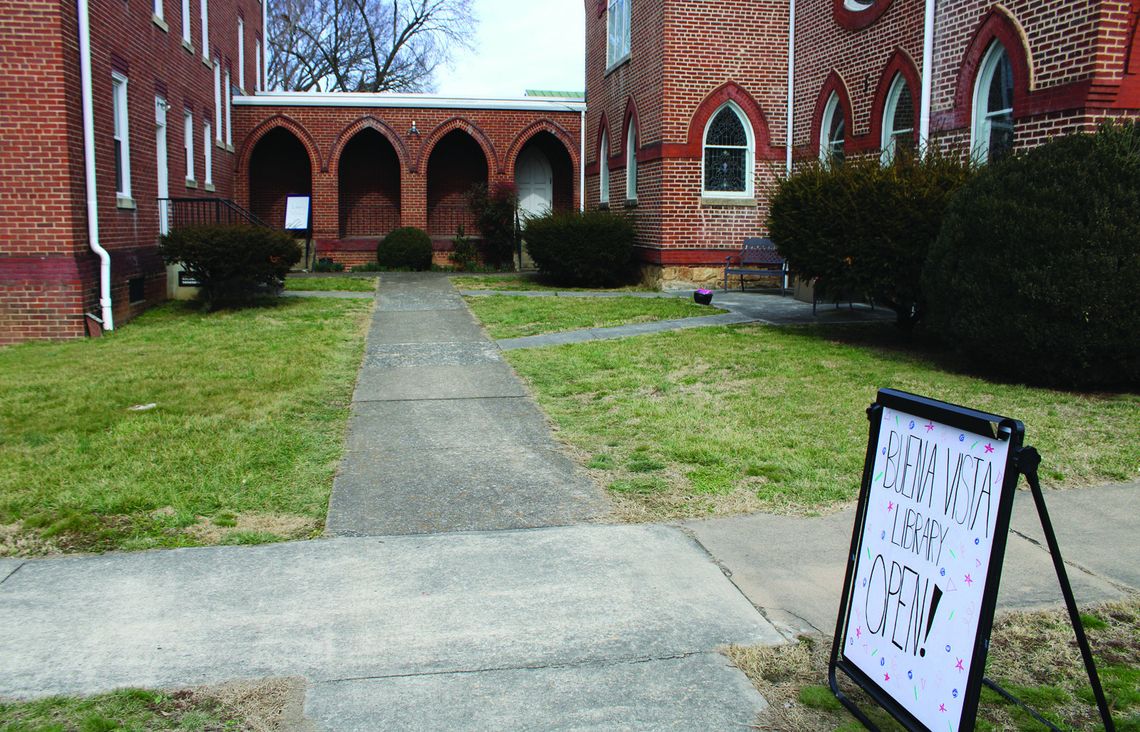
325, 201
413, 199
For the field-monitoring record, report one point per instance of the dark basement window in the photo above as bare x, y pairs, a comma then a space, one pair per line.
136, 289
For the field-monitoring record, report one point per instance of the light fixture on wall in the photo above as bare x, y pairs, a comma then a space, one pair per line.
413, 131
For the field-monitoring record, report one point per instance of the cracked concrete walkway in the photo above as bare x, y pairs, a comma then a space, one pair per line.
443, 436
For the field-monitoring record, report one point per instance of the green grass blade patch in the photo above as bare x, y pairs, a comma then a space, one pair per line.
507, 316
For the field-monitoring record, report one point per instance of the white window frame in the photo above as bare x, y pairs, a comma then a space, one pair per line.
617, 32
205, 30
186, 22
749, 154
981, 124
208, 154
604, 170
218, 111
257, 70
188, 144
241, 54
229, 111
890, 136
158, 9
122, 134
631, 163
826, 144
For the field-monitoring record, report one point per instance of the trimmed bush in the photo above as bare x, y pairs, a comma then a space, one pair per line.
233, 264
1034, 272
405, 248
592, 249
863, 230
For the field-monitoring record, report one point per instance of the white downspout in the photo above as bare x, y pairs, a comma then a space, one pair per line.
791, 82
264, 70
89, 166
582, 165
927, 76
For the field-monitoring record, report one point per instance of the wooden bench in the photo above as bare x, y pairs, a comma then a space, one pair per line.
757, 258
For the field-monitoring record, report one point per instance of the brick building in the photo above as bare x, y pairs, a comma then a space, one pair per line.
178, 128
690, 102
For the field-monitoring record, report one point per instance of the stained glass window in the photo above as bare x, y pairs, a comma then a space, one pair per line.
727, 153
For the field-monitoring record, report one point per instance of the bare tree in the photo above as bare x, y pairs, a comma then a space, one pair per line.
364, 45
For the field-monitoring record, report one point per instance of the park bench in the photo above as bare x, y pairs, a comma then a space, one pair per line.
757, 258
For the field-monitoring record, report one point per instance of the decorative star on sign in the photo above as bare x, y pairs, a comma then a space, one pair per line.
989, 448
959, 665
929, 426
969, 581
886, 677
890, 505
859, 631
942, 707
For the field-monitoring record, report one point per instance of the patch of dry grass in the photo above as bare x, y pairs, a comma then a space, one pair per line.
1033, 655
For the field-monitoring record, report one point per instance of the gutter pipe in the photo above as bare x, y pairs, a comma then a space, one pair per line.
89, 165
582, 165
791, 82
927, 76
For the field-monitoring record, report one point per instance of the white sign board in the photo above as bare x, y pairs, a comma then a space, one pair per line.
297, 213
924, 557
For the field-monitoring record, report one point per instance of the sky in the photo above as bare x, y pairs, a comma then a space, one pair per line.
520, 45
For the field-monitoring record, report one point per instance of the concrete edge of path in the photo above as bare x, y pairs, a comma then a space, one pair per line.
330, 294
622, 331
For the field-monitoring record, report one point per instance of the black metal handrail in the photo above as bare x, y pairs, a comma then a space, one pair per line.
190, 211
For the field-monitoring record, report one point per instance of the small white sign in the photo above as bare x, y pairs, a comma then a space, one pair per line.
297, 213
924, 557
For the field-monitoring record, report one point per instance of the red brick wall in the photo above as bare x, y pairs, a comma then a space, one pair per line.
369, 184
41, 165
326, 133
279, 167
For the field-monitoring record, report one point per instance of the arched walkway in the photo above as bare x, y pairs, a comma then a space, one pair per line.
544, 176
456, 164
368, 183
279, 167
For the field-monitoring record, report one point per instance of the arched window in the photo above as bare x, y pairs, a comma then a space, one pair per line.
604, 170
728, 153
898, 120
833, 132
631, 163
993, 106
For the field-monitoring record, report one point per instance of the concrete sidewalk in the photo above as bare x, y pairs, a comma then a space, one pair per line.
443, 435
612, 627
792, 568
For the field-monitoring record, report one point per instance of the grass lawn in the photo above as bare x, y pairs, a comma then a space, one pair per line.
331, 284
715, 421
512, 317
245, 425
524, 282
1033, 655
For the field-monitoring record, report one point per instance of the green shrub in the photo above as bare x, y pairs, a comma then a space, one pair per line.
233, 264
1034, 272
324, 264
494, 211
592, 249
463, 255
405, 248
863, 230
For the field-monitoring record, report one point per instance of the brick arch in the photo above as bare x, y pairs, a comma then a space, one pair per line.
833, 84
465, 125
900, 63
263, 129
730, 92
630, 117
542, 125
999, 25
858, 20
365, 123
595, 167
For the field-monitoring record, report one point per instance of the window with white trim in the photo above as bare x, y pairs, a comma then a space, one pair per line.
617, 32
230, 91
158, 9
186, 22
121, 135
241, 54
188, 142
217, 100
631, 163
728, 153
833, 132
604, 170
208, 150
257, 62
205, 29
898, 120
993, 106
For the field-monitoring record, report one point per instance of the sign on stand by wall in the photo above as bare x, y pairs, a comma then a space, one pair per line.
926, 558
